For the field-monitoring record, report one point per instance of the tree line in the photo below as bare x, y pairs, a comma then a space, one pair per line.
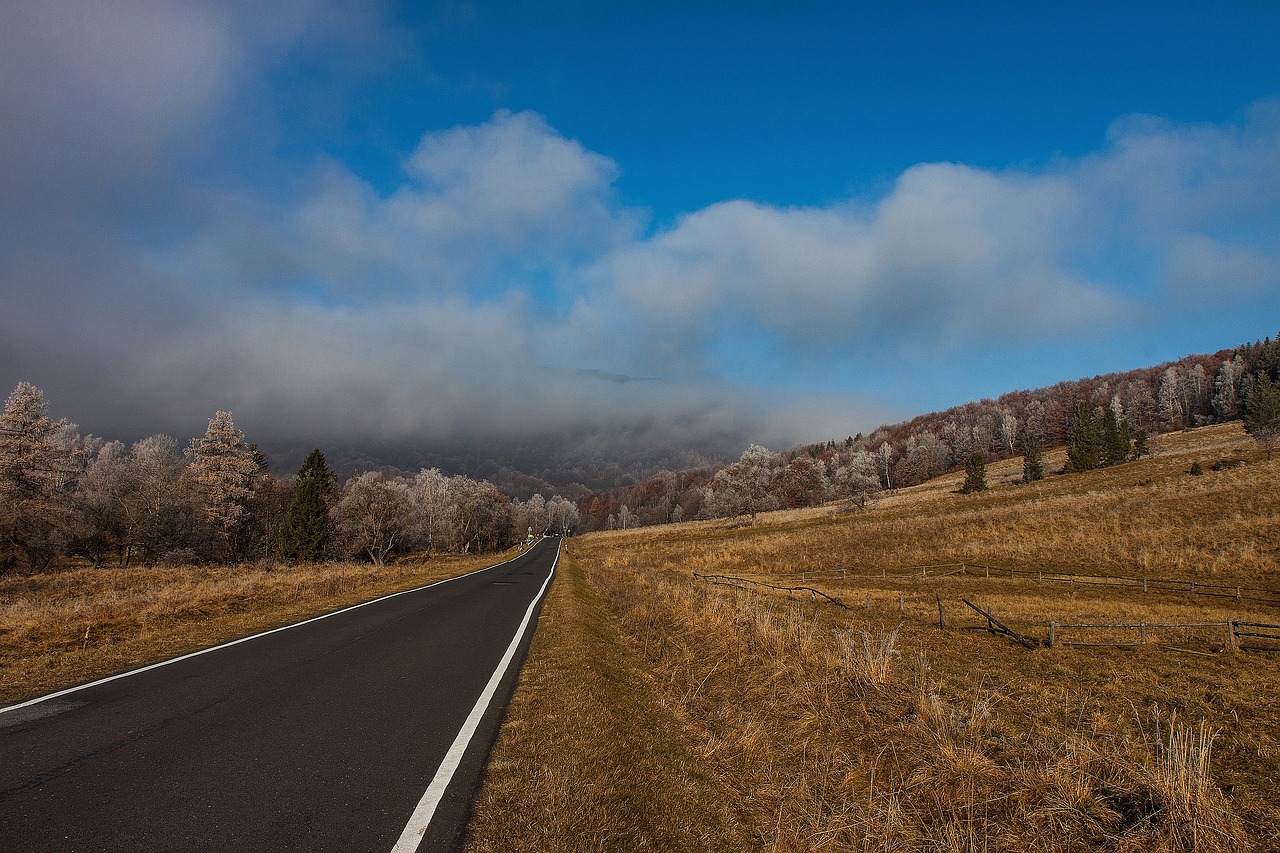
64, 496
1102, 421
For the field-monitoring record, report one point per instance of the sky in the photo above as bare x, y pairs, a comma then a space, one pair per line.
688, 225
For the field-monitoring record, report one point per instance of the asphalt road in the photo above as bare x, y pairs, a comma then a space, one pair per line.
322, 737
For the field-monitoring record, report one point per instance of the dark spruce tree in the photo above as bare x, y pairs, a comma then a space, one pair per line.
1262, 410
1084, 446
1140, 448
304, 535
1032, 458
975, 474
1113, 439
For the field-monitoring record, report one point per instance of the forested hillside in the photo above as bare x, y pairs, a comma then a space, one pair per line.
65, 497
1197, 390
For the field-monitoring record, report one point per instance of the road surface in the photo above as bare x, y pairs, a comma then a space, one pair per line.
338, 734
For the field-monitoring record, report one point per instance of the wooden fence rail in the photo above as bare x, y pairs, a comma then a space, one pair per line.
1238, 592
1252, 636
740, 583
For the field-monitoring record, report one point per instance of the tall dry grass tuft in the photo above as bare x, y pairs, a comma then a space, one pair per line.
867, 662
1193, 814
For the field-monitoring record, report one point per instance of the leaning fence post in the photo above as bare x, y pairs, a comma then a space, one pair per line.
942, 613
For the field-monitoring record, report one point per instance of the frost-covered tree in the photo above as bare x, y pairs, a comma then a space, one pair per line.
222, 467
885, 456
104, 495
40, 461
626, 518
1034, 417
858, 479
1008, 432
1226, 389
374, 516
562, 515
1169, 398
742, 488
537, 515
483, 514
437, 513
166, 506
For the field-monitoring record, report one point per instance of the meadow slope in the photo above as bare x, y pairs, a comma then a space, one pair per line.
816, 726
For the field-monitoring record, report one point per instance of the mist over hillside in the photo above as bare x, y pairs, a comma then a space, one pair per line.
568, 465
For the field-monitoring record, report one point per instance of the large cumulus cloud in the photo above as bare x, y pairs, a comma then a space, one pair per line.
478, 295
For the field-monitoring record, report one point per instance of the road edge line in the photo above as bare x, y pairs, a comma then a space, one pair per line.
106, 679
420, 820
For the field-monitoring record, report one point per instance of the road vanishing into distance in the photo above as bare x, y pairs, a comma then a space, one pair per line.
364, 730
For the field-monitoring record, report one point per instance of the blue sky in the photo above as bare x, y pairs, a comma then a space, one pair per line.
425, 223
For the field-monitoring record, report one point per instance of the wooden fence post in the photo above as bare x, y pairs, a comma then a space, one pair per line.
899, 604
868, 601
1231, 634
1053, 630
942, 613
1142, 631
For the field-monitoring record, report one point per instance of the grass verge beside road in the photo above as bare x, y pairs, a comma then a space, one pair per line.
64, 628
590, 757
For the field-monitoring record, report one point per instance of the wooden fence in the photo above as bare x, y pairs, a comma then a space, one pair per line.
1238, 592
1235, 633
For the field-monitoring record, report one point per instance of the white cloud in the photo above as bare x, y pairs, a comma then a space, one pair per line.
957, 257
459, 303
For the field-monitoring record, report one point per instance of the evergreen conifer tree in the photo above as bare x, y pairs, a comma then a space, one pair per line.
1140, 448
1262, 411
975, 474
304, 535
1113, 439
1032, 458
1084, 452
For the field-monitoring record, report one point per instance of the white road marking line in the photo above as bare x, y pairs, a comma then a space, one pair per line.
416, 828
149, 667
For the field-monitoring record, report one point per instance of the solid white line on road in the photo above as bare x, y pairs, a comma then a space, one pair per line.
109, 678
421, 818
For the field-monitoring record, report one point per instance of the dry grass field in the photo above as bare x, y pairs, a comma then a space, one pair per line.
660, 711
69, 627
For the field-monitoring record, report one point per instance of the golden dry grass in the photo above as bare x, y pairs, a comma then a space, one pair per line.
588, 758
65, 628
870, 728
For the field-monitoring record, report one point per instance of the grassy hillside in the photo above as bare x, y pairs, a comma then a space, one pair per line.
813, 726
